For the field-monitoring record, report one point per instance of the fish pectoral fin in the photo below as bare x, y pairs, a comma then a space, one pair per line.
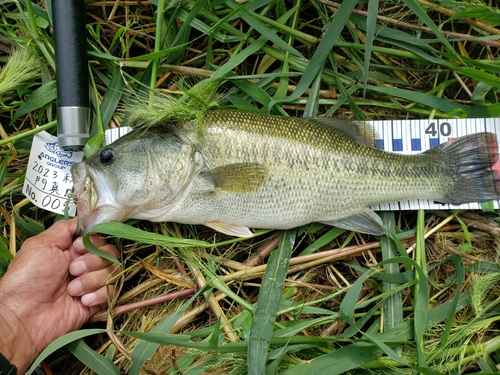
232, 230
238, 177
365, 222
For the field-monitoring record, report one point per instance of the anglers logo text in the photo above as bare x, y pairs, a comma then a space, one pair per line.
53, 148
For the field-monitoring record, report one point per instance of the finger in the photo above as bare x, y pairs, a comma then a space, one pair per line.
95, 309
96, 240
59, 235
91, 281
98, 297
91, 262
63, 229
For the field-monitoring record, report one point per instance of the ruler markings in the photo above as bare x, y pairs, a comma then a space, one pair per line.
416, 139
397, 140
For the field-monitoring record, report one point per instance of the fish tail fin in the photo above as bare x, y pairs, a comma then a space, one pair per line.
474, 168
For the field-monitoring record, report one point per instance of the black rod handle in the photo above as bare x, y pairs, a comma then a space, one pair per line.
73, 112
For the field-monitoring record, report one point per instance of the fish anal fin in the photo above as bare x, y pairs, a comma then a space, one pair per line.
232, 230
365, 222
238, 177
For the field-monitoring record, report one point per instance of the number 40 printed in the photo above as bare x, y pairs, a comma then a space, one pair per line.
444, 129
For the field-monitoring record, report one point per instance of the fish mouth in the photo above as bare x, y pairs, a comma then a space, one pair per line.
94, 202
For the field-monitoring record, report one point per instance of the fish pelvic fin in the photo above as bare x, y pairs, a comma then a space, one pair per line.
474, 168
365, 222
238, 177
232, 230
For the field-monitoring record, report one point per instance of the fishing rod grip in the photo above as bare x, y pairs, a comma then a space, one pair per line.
70, 36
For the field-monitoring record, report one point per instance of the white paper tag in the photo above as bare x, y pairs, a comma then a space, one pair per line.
48, 182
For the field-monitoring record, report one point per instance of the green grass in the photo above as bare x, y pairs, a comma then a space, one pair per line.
421, 300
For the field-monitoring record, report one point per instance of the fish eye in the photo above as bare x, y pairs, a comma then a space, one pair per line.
106, 156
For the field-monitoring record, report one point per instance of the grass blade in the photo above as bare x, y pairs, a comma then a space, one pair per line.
38, 98
324, 48
5, 255
323, 240
93, 360
265, 312
421, 304
158, 41
371, 23
264, 30
144, 349
393, 314
60, 342
338, 362
460, 274
420, 12
112, 97
122, 230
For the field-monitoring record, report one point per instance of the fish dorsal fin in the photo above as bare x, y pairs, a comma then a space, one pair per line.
362, 132
238, 177
365, 222
232, 230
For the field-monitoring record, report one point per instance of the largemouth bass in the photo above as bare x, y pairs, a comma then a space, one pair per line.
243, 170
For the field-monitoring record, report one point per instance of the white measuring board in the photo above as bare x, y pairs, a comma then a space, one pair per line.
408, 137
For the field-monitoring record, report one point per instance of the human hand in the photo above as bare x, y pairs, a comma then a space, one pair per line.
52, 287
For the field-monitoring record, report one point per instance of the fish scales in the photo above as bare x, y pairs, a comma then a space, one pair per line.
315, 172
241, 170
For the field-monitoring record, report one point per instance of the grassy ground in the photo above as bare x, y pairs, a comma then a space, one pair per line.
425, 300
